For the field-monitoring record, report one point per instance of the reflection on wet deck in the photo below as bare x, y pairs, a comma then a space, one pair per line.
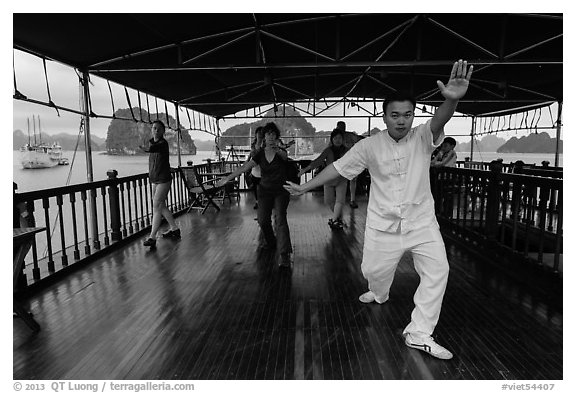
212, 306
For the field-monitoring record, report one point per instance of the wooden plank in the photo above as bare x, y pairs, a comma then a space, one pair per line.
214, 306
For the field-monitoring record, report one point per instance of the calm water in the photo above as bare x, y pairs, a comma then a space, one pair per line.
35, 179
528, 158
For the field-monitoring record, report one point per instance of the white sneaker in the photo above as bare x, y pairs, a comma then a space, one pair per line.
428, 345
370, 297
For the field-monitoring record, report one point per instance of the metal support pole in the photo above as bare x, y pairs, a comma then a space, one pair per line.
178, 134
89, 168
369, 125
558, 129
472, 138
218, 139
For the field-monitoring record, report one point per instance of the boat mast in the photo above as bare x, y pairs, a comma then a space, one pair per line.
34, 125
28, 127
39, 129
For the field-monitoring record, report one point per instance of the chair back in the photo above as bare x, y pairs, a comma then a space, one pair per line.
190, 177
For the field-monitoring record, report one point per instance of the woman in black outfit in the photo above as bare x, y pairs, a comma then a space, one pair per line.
257, 145
273, 162
160, 178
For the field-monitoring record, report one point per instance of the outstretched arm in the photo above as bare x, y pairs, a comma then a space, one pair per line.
244, 168
454, 90
329, 173
314, 164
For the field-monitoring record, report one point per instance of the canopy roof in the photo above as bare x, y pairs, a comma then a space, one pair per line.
220, 64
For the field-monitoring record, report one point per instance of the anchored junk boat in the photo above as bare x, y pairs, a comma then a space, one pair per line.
40, 155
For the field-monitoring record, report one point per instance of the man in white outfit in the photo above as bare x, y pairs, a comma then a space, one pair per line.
400, 213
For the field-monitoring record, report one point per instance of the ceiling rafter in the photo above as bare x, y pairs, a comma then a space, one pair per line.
384, 84
382, 36
246, 92
331, 92
307, 96
209, 52
95, 66
351, 64
298, 46
219, 90
394, 41
461, 37
533, 46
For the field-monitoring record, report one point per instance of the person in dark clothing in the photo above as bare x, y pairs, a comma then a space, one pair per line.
20, 216
273, 162
160, 178
256, 174
334, 191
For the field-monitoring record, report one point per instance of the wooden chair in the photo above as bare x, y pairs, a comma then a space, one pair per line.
203, 192
232, 188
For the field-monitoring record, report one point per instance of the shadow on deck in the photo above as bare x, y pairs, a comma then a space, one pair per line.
211, 306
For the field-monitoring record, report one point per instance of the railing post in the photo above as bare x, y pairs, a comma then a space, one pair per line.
435, 187
113, 195
493, 199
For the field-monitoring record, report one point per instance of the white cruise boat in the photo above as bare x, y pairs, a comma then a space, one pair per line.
40, 155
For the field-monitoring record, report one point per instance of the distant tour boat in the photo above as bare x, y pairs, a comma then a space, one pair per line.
40, 155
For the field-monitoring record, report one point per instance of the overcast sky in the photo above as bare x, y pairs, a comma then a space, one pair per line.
65, 91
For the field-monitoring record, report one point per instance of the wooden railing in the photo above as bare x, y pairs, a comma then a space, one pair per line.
85, 220
527, 169
521, 214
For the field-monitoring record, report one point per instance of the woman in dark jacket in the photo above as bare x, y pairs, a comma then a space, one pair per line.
160, 178
273, 162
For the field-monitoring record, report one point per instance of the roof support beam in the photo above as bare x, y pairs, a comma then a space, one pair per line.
351, 64
246, 92
298, 46
306, 96
218, 48
404, 30
461, 37
378, 39
533, 46
164, 47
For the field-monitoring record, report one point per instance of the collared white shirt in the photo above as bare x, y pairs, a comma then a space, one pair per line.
400, 196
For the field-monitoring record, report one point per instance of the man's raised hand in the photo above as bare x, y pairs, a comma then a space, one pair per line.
458, 83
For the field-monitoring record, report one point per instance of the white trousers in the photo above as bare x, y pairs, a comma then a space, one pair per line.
382, 252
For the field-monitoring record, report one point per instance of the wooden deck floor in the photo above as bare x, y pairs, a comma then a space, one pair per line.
210, 306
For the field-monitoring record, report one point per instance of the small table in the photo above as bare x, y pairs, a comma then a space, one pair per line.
22, 239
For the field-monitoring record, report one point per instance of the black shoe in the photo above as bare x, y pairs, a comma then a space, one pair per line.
338, 224
150, 242
285, 260
174, 234
268, 247
331, 223
256, 206
353, 205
